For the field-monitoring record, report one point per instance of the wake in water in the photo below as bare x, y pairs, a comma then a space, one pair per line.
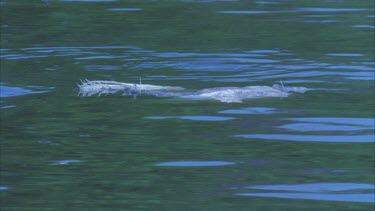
222, 94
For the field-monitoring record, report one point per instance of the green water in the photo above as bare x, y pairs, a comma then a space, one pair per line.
60, 151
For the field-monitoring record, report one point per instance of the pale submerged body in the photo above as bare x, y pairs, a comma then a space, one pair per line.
223, 94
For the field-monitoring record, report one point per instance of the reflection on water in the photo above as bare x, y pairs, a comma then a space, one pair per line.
7, 91
3, 188
315, 187
63, 162
9, 106
345, 197
48, 142
195, 163
312, 9
321, 124
345, 54
194, 118
319, 127
313, 138
253, 110
327, 171
320, 21
89, 0
348, 192
101, 67
364, 26
364, 122
238, 66
255, 12
208, 1
125, 9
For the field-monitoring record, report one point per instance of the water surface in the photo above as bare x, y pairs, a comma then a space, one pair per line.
310, 151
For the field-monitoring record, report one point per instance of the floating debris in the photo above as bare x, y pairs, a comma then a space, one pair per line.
222, 94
